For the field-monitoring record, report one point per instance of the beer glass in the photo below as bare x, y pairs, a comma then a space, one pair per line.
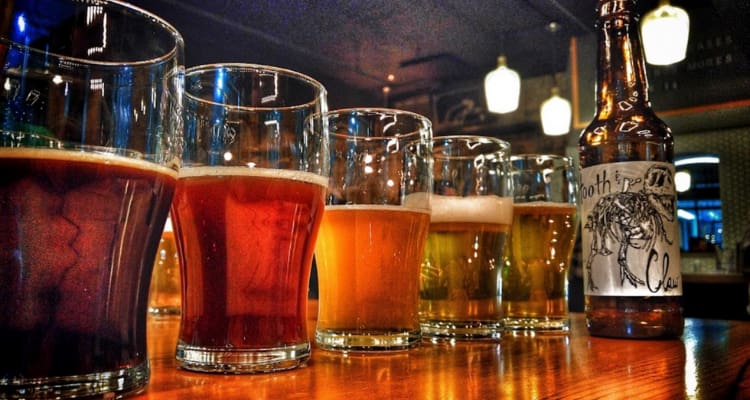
374, 229
89, 149
246, 213
164, 295
472, 210
545, 225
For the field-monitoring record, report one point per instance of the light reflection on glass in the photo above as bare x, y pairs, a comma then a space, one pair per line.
272, 96
92, 14
21, 23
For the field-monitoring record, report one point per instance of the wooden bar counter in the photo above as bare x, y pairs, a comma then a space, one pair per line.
710, 361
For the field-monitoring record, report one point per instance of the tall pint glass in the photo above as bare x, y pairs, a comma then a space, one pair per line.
373, 231
545, 225
246, 213
472, 210
89, 149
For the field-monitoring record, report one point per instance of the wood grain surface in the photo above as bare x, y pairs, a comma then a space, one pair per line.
710, 361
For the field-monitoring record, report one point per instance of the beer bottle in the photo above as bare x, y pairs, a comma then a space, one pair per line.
630, 238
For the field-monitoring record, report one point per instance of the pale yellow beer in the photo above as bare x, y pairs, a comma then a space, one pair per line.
535, 274
461, 269
368, 259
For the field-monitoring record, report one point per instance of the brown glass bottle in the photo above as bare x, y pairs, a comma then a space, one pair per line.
629, 229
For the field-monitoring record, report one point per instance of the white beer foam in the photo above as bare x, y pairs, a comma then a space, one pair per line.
213, 171
376, 207
84, 156
478, 209
417, 200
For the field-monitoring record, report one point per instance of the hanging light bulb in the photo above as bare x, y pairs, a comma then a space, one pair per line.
502, 87
682, 181
556, 114
665, 32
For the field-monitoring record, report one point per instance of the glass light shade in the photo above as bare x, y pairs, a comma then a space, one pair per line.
502, 88
665, 32
556, 114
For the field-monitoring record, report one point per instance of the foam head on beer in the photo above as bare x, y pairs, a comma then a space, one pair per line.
480, 209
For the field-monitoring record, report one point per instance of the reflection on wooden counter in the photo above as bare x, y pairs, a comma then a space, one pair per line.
709, 362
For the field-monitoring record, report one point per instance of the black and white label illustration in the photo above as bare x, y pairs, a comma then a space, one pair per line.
630, 230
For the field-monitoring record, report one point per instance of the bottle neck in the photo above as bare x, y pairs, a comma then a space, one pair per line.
622, 84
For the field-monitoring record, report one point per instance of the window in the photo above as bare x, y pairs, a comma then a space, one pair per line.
699, 203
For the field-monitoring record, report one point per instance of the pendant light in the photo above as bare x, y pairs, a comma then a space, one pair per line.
556, 114
665, 32
502, 88
682, 181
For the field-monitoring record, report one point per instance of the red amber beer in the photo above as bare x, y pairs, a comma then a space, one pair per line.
385, 243
246, 240
79, 230
247, 209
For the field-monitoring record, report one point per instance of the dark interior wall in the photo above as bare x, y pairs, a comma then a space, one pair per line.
215, 40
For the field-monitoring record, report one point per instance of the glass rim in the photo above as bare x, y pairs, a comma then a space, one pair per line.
313, 83
503, 146
541, 156
175, 51
373, 111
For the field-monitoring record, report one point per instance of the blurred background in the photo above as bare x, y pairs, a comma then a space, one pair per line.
432, 56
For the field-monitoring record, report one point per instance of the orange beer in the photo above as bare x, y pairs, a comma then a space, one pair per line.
535, 275
462, 262
368, 259
164, 296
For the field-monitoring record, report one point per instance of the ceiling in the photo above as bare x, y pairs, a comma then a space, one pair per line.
352, 46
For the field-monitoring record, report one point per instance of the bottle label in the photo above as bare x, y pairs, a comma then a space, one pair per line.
630, 237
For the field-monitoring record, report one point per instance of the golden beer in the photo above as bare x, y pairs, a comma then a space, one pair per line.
164, 297
535, 274
461, 269
368, 259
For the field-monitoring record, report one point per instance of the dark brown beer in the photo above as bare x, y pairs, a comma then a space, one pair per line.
78, 234
246, 238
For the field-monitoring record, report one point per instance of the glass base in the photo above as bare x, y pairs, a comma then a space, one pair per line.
367, 341
538, 325
241, 361
109, 385
436, 331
